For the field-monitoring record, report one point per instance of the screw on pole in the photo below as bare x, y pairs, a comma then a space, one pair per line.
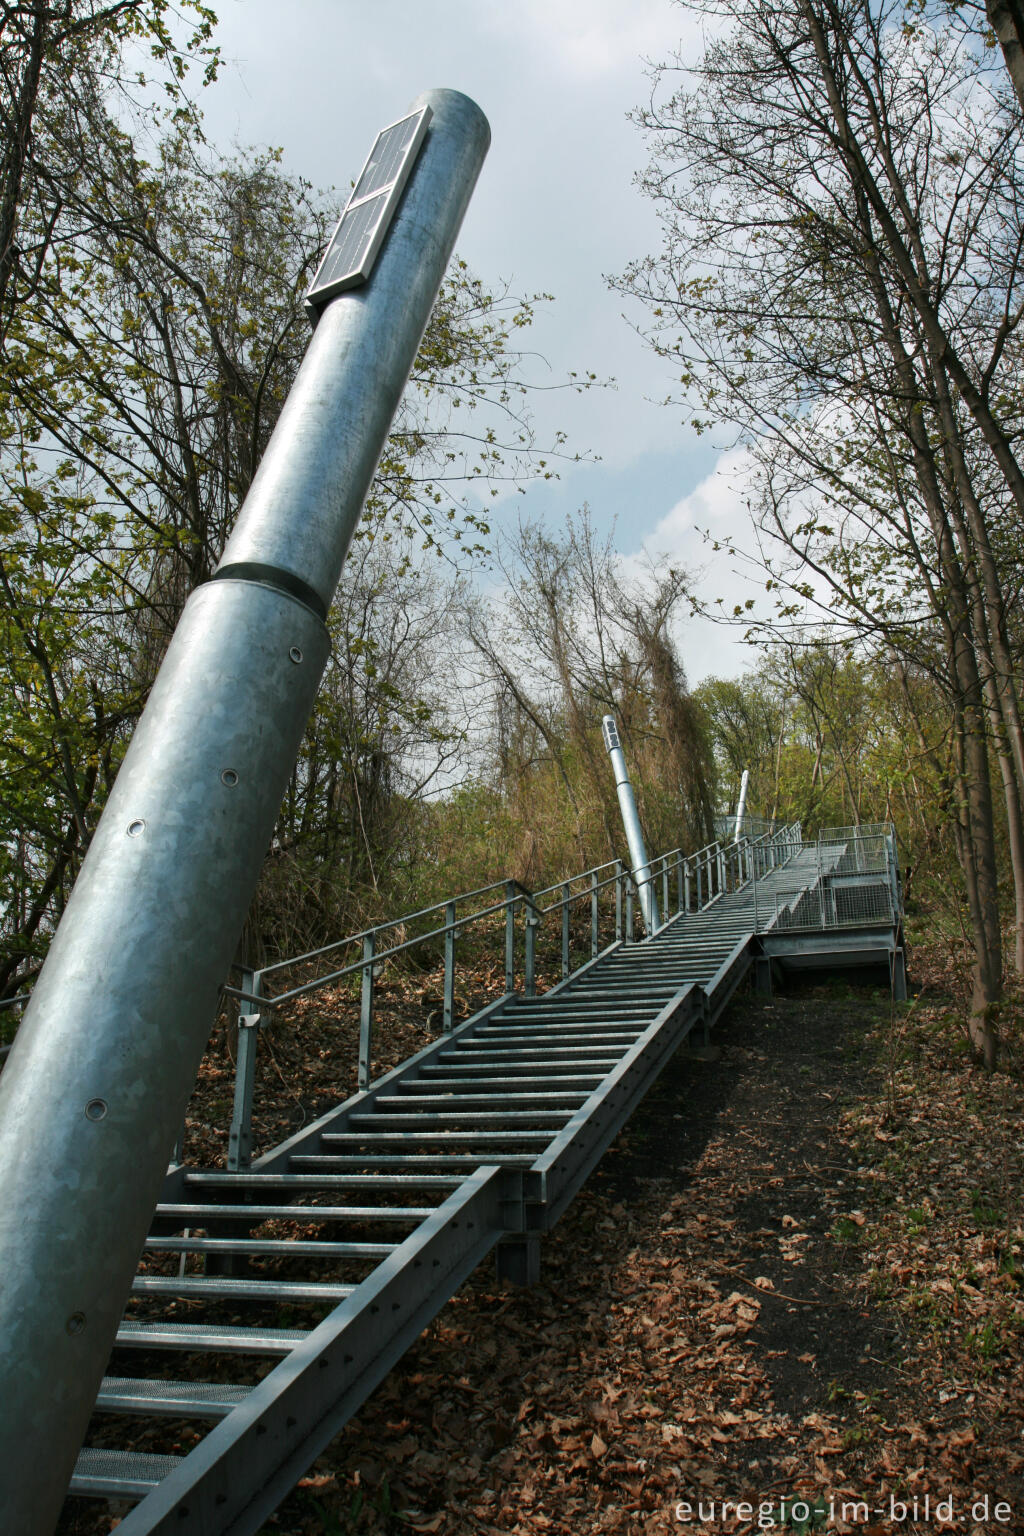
510, 935
366, 1009
240, 1134
449, 966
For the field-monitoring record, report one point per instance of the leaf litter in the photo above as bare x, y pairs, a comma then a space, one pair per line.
796, 1275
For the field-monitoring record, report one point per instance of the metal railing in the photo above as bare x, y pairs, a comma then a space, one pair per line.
724, 866
450, 921
752, 827
696, 880
827, 888
5, 1004
848, 878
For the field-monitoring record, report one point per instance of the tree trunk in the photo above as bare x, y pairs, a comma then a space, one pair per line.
1006, 18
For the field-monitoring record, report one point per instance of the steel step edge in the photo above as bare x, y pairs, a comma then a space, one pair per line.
176, 1399
204, 1338
119, 1474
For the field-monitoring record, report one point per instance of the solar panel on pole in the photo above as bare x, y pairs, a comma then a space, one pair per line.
359, 233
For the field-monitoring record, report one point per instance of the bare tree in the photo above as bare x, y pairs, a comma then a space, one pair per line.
841, 279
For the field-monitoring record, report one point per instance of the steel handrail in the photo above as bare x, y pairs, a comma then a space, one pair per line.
518, 897
452, 926
621, 873
392, 922
712, 866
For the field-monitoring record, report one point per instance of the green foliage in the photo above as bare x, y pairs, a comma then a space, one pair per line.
144, 369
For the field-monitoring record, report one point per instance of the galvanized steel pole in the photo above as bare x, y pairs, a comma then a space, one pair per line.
742, 804
631, 823
94, 1091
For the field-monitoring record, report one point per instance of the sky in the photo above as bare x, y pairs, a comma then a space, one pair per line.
555, 211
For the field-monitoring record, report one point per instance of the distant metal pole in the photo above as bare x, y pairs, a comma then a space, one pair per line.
631, 823
742, 804
96, 1086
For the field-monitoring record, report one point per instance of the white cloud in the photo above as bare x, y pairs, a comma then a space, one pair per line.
589, 39
716, 507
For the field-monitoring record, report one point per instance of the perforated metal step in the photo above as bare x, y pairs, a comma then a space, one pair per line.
216, 1338
180, 1399
123, 1474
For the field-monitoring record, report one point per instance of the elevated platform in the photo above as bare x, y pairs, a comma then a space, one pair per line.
270, 1302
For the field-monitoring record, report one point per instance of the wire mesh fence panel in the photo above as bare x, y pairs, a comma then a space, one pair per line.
752, 827
839, 881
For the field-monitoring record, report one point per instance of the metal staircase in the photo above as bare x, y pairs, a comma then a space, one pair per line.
271, 1300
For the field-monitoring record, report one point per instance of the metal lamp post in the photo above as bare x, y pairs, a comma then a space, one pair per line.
631, 824
741, 805
106, 1058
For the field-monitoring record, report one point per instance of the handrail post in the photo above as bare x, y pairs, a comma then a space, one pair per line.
629, 910
664, 886
686, 885
565, 929
679, 883
510, 935
700, 892
892, 859
619, 928
449, 967
366, 1010
240, 1135
532, 922
594, 936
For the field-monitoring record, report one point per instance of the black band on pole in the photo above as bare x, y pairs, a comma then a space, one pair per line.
274, 576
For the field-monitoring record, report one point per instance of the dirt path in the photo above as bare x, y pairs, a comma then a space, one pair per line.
793, 1281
